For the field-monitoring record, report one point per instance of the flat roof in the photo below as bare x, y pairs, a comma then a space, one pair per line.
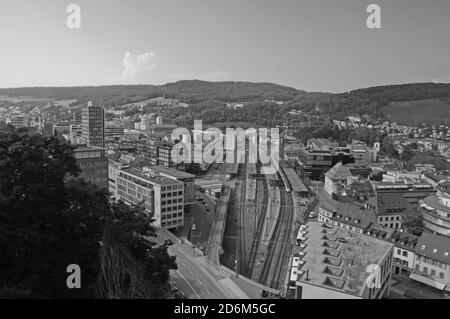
170, 171
294, 179
155, 179
85, 148
340, 266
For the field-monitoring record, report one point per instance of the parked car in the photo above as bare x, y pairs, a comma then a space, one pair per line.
168, 242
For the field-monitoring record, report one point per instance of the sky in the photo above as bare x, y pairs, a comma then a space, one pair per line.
312, 45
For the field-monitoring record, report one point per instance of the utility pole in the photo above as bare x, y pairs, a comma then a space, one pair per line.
237, 254
192, 236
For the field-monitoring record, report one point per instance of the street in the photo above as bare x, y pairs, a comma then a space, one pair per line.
191, 277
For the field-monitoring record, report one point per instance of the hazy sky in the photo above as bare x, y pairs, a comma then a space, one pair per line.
315, 45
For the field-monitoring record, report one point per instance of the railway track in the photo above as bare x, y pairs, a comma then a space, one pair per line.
279, 245
242, 262
285, 249
259, 224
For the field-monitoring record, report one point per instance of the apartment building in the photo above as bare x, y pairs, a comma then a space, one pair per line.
432, 261
404, 253
162, 197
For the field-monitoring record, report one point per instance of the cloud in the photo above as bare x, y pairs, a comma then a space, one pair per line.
138, 68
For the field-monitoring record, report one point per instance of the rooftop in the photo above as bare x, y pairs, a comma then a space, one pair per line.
434, 202
338, 171
351, 214
388, 204
404, 240
169, 171
152, 178
337, 265
294, 179
84, 148
436, 247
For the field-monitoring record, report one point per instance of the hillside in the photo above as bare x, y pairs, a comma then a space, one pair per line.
431, 111
375, 100
429, 101
192, 91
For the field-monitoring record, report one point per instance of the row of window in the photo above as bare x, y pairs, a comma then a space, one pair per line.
171, 187
432, 271
171, 208
164, 195
169, 216
387, 218
403, 253
402, 262
171, 201
432, 262
391, 225
172, 223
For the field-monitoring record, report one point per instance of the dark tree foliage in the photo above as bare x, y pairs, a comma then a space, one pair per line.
49, 221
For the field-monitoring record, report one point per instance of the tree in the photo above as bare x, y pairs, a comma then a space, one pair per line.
388, 147
413, 222
48, 222
141, 268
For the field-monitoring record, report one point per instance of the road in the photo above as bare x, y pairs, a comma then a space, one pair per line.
191, 277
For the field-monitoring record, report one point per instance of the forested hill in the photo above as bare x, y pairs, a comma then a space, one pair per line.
191, 91
377, 101
194, 91
373, 101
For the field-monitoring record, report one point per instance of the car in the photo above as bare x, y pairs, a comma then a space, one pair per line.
173, 286
193, 226
168, 242
342, 240
311, 215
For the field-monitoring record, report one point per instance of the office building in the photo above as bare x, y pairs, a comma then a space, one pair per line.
93, 125
162, 197
186, 178
94, 165
114, 130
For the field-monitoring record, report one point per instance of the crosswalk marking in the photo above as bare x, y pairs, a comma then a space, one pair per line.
215, 269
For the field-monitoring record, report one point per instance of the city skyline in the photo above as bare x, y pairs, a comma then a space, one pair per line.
293, 43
